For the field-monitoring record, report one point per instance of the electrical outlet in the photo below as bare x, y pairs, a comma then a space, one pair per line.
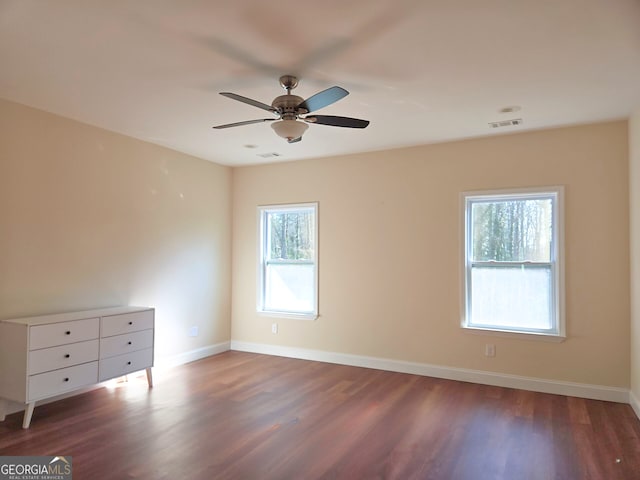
274, 328
490, 350
194, 331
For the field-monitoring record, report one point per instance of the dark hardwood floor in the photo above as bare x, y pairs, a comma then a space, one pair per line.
247, 416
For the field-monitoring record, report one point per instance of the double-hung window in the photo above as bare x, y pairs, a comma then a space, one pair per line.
288, 260
513, 277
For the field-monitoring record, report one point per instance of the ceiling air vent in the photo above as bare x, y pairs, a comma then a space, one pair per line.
269, 155
506, 123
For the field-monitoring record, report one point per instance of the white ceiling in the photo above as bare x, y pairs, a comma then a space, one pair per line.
421, 71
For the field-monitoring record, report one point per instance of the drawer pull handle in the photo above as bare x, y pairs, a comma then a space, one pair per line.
128, 343
67, 356
68, 332
66, 379
130, 323
128, 363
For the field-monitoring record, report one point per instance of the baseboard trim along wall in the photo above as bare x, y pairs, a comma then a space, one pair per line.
595, 392
192, 355
635, 403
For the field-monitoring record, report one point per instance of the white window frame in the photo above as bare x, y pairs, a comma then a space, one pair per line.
556, 194
263, 248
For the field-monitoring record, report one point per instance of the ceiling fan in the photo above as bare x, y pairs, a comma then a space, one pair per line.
291, 111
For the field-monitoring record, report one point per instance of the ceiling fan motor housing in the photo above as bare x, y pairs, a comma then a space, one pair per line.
287, 106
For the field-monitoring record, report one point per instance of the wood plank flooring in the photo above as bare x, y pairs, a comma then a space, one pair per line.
246, 416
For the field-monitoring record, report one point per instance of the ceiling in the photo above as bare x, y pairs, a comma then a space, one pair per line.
422, 71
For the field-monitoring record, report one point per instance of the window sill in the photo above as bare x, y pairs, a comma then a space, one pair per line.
540, 337
296, 316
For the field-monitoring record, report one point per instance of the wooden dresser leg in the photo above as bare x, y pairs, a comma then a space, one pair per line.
149, 377
28, 412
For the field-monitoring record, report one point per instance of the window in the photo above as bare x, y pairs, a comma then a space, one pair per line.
288, 266
512, 261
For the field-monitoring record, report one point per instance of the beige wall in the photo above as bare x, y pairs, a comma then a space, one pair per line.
90, 218
390, 256
634, 201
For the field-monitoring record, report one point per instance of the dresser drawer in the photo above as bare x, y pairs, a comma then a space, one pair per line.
54, 358
60, 381
123, 364
53, 334
129, 342
126, 323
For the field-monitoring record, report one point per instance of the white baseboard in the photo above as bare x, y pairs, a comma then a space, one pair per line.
596, 392
161, 362
192, 355
635, 403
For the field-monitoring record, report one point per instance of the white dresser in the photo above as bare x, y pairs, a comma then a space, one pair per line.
45, 356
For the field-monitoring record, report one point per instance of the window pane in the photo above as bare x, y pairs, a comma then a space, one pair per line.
513, 297
289, 288
291, 235
512, 230
288, 260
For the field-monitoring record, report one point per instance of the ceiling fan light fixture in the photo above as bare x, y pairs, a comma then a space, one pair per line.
289, 129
